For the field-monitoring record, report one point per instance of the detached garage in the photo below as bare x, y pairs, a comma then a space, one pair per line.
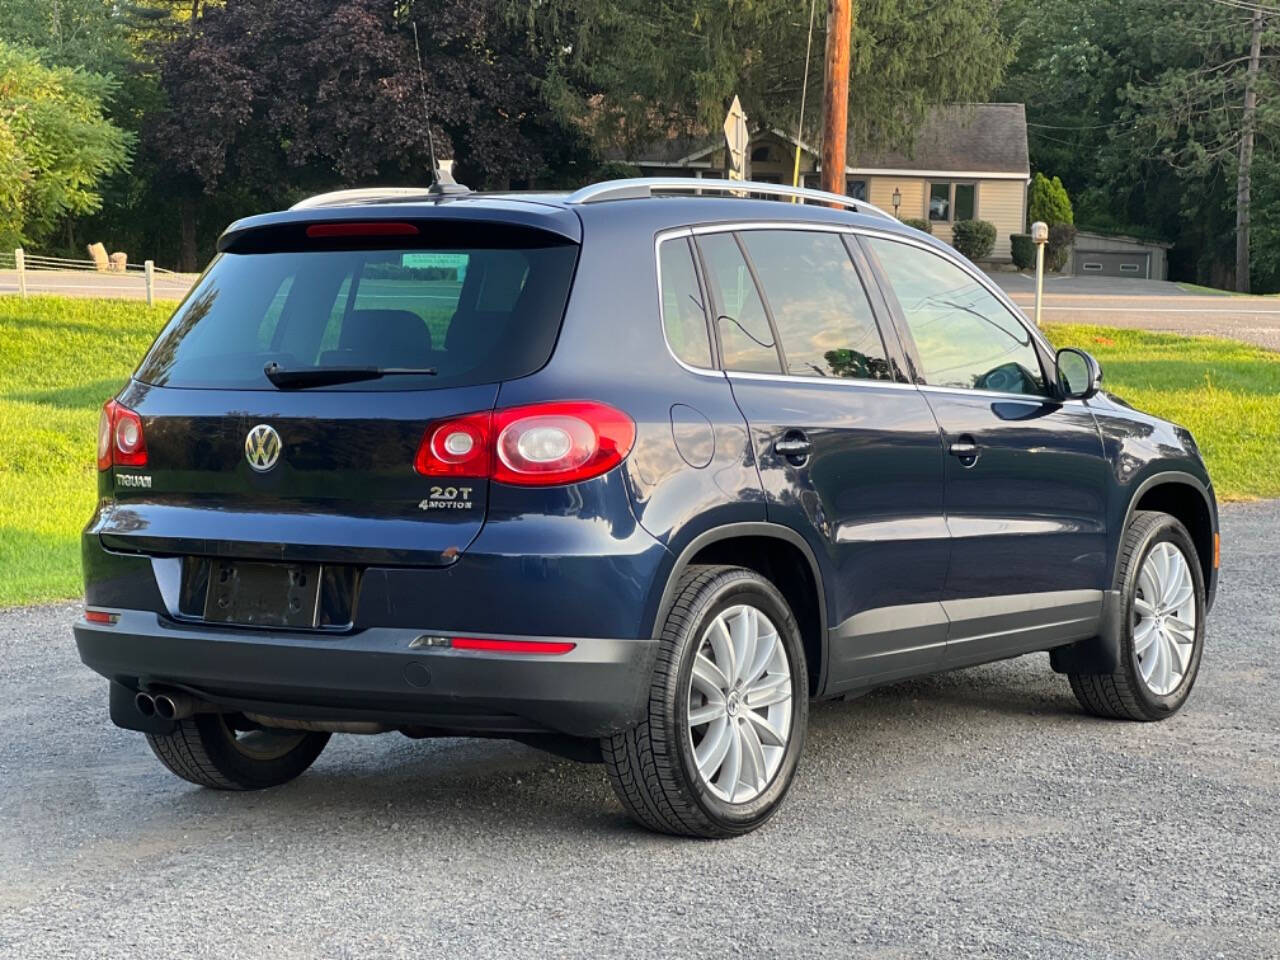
1102, 256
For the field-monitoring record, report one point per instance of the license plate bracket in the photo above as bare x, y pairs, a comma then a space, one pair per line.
264, 594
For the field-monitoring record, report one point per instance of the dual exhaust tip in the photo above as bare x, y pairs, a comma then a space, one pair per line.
166, 706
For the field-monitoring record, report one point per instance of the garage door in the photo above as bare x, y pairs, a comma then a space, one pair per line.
1108, 263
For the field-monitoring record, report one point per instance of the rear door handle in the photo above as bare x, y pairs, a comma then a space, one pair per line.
794, 446
965, 448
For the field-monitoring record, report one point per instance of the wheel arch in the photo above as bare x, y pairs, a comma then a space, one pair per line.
772, 551
1187, 499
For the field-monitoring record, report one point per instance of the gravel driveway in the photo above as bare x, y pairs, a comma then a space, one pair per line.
973, 814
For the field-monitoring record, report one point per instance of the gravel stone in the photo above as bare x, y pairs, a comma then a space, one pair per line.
977, 813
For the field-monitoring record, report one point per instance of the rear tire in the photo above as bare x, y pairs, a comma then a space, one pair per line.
756, 711
1143, 686
208, 750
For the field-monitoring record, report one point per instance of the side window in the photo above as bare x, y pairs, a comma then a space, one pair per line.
683, 316
964, 335
822, 313
746, 342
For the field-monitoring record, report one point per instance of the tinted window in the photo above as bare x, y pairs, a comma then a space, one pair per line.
746, 342
940, 201
683, 315
966, 201
474, 315
964, 335
819, 306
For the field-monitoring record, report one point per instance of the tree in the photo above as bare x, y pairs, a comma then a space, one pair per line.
1140, 107
271, 99
55, 145
1203, 112
631, 70
1049, 201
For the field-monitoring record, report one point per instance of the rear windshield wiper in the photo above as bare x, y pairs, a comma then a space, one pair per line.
330, 376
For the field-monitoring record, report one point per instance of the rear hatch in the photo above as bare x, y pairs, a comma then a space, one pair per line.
312, 461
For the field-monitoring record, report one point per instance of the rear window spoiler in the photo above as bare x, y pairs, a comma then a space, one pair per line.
477, 221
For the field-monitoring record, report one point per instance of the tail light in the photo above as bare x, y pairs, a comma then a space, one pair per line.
543, 444
120, 439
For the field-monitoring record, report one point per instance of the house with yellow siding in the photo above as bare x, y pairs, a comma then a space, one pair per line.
965, 162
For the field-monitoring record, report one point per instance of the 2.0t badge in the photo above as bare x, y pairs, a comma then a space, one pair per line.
262, 447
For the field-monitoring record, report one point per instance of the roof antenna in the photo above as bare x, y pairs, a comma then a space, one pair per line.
442, 182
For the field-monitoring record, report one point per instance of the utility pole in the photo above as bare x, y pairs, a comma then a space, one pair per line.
1243, 175
835, 98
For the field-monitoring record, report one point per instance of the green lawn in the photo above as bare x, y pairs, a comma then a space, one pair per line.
60, 359
1226, 393
1197, 288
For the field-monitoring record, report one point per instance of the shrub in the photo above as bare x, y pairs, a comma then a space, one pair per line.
1049, 201
1061, 237
1024, 251
924, 225
973, 238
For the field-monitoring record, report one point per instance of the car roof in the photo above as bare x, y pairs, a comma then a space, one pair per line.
560, 214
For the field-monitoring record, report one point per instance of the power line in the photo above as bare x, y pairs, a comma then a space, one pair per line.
1249, 6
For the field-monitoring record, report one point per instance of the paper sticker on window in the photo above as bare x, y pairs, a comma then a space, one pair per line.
450, 266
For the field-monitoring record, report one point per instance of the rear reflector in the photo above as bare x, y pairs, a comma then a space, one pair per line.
101, 616
1217, 551
512, 646
375, 228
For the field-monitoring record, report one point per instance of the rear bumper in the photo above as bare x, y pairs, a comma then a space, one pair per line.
595, 689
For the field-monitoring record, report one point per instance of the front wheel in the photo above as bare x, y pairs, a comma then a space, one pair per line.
215, 750
1162, 631
727, 711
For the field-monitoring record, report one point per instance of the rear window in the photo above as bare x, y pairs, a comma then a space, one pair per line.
474, 315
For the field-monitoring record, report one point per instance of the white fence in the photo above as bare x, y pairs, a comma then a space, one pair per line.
26, 273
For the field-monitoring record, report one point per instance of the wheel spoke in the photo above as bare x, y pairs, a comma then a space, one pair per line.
754, 768
731, 771
1180, 630
722, 646
1177, 660
1147, 665
708, 679
1147, 583
769, 690
1163, 666
743, 631
1143, 608
1143, 635
706, 713
1172, 585
765, 647
715, 745
764, 730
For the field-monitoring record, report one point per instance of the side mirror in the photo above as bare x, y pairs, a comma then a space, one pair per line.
1079, 375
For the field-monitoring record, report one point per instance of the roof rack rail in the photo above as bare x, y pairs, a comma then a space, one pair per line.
647, 186
342, 198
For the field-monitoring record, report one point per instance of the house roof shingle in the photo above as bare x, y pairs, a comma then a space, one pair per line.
980, 137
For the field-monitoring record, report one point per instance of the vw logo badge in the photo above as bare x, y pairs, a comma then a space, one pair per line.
262, 447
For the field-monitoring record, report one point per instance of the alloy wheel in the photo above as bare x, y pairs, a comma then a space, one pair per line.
1164, 618
740, 704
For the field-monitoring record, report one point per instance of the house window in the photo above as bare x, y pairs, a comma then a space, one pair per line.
762, 155
949, 202
856, 189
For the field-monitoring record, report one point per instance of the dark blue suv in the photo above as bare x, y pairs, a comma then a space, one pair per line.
631, 474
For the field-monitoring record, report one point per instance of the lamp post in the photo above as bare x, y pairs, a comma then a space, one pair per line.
1040, 237
897, 201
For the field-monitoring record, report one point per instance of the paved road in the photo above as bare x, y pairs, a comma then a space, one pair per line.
86, 283
974, 814
1149, 305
